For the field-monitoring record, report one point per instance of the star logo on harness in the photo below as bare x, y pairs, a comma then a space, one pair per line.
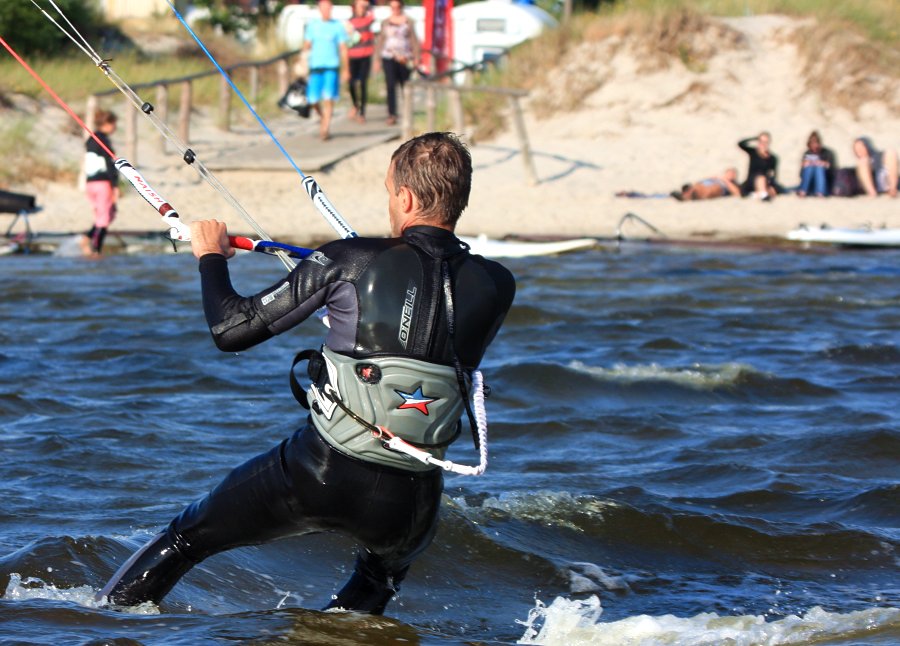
416, 400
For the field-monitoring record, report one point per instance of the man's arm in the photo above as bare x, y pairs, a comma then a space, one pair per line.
237, 322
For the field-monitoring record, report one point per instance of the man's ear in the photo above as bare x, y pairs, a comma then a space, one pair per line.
408, 201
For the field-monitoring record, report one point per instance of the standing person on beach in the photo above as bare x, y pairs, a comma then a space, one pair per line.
326, 42
410, 318
102, 187
362, 46
397, 49
761, 179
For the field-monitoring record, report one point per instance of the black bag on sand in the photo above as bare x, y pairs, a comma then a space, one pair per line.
846, 183
15, 202
295, 98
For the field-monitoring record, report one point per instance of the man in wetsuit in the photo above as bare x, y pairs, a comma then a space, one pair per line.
410, 317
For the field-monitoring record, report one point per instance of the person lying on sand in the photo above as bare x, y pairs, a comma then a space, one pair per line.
720, 186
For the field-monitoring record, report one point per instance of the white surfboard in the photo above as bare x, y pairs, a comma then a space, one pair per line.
492, 248
846, 236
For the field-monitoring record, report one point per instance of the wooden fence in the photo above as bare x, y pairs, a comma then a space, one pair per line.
186, 104
283, 74
454, 95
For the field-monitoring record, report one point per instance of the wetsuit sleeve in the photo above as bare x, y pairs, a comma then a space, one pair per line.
230, 316
325, 278
490, 290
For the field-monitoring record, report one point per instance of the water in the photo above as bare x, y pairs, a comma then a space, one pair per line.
687, 447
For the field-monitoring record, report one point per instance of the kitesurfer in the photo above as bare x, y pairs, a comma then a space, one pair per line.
410, 317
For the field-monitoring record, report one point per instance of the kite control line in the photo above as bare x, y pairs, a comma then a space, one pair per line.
188, 155
178, 229
319, 199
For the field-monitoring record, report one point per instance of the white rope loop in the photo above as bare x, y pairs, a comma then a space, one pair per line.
398, 444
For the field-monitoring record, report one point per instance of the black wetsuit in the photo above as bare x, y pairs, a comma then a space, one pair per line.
305, 485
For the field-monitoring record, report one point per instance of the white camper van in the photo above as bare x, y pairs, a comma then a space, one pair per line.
480, 29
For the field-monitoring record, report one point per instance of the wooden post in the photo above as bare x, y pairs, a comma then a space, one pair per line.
162, 110
224, 120
184, 111
430, 107
254, 86
283, 73
406, 118
89, 112
459, 116
519, 122
131, 134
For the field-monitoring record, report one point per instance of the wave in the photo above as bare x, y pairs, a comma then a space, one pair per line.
864, 354
573, 623
637, 525
577, 382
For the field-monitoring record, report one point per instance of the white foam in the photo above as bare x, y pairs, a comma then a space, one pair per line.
587, 577
20, 589
544, 506
697, 376
574, 623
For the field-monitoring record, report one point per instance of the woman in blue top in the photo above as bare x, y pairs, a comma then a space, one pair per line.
326, 42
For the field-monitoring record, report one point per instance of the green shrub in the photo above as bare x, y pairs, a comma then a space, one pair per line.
29, 32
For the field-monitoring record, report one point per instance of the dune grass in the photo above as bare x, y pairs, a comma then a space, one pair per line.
30, 162
847, 42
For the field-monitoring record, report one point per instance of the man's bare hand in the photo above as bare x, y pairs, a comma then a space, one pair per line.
210, 236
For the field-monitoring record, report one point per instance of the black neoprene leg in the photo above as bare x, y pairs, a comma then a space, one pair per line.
371, 586
149, 574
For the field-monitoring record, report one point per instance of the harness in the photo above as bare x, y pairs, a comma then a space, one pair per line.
390, 409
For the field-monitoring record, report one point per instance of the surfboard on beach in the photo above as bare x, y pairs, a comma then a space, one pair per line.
493, 248
863, 237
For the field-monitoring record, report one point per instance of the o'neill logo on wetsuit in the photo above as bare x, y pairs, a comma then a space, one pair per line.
416, 400
406, 316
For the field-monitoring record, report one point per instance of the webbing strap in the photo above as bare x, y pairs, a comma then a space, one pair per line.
296, 388
451, 329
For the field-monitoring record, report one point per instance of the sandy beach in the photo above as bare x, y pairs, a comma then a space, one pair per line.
639, 131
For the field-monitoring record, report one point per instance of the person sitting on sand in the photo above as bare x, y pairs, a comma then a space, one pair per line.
817, 168
876, 169
760, 182
720, 186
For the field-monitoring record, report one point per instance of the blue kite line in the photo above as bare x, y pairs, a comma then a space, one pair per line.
235, 88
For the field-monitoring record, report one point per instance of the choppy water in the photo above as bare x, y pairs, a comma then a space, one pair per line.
688, 447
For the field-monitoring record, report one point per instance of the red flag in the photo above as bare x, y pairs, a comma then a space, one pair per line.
438, 46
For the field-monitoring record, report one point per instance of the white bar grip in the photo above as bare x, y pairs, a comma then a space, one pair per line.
326, 208
178, 230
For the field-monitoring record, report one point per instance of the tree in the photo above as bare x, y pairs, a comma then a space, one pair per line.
29, 32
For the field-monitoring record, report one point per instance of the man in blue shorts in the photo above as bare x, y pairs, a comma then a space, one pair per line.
326, 42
